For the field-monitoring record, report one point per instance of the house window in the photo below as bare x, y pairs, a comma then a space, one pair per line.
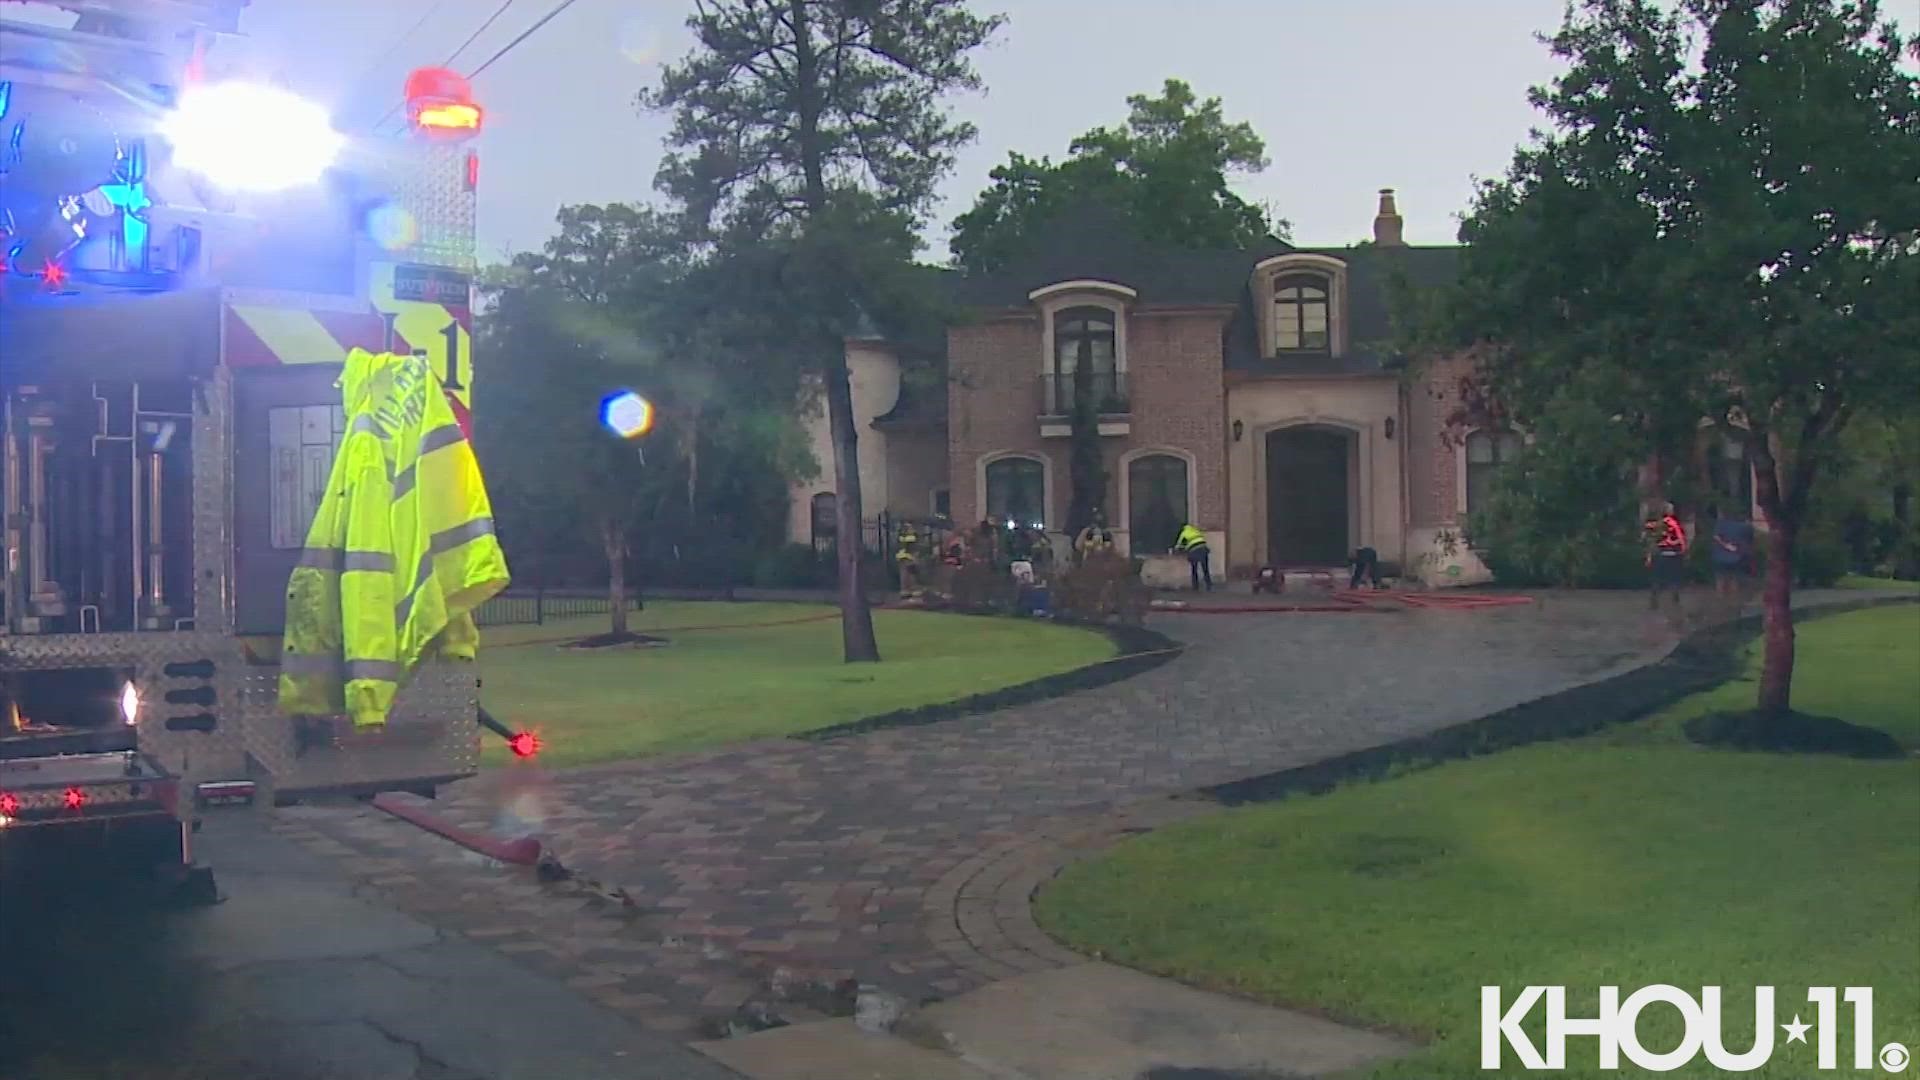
1730, 474
1156, 502
826, 516
942, 503
1016, 491
1084, 341
1487, 453
1300, 309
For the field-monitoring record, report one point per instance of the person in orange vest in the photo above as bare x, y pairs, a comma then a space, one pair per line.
1667, 562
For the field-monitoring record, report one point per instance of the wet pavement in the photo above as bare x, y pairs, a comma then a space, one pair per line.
301, 973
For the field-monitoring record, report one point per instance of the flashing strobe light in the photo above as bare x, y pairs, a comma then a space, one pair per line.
9, 804
248, 137
627, 414
440, 105
130, 704
524, 744
74, 798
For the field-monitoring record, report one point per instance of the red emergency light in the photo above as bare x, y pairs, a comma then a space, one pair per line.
9, 804
524, 744
440, 105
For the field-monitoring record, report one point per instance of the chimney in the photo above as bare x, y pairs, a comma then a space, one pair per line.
1387, 223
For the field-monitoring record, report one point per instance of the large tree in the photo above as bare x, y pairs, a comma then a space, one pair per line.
1167, 169
1722, 226
793, 118
616, 301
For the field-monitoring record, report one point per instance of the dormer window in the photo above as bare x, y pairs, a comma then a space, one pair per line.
1300, 314
1085, 360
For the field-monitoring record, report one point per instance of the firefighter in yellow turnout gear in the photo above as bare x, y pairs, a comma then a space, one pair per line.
401, 552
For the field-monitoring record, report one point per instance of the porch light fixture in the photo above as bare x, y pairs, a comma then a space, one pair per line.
1239, 429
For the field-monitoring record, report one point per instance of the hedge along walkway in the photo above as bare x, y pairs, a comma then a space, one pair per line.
848, 854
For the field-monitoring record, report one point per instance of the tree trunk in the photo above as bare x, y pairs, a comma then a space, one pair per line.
615, 544
1776, 665
1782, 511
856, 619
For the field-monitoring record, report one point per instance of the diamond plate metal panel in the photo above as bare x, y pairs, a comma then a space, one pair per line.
429, 181
213, 505
431, 732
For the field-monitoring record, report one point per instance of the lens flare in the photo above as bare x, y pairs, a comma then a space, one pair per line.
627, 414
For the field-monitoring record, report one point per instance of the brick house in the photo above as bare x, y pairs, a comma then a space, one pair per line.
1248, 391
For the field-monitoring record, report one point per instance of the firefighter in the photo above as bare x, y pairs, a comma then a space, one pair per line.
1193, 543
401, 551
1095, 538
1667, 562
907, 556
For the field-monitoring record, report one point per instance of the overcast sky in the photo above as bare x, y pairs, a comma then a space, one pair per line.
1417, 95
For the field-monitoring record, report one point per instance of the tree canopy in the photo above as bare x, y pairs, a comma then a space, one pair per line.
1167, 168
1721, 226
818, 125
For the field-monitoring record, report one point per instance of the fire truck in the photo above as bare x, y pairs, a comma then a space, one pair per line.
170, 343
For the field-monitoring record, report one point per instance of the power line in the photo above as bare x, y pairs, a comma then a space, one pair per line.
372, 70
491, 19
529, 32
471, 38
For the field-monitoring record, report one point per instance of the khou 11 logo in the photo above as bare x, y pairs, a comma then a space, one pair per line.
1616, 1029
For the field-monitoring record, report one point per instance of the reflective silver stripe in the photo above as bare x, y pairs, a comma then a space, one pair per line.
365, 422
346, 561
443, 541
441, 437
438, 439
378, 562
321, 558
381, 670
333, 666
448, 539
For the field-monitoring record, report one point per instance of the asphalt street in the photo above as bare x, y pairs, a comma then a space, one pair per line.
297, 974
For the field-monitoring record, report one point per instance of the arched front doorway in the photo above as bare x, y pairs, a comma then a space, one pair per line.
1311, 495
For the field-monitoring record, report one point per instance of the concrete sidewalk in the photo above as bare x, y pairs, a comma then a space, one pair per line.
1089, 1021
298, 975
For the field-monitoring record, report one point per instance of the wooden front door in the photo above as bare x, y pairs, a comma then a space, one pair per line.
1307, 497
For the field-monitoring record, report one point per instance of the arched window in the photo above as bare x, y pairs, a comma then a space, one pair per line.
1084, 341
1017, 491
1487, 453
1156, 502
1300, 314
826, 515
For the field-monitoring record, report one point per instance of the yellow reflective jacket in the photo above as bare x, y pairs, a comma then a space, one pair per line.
1190, 538
402, 548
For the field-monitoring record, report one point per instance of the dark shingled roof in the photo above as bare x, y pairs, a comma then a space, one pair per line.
1098, 244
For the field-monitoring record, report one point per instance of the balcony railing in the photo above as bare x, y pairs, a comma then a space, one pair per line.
1108, 389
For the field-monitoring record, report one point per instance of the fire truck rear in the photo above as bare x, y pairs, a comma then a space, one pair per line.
172, 326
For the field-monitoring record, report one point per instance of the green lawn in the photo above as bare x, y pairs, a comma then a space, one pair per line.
1626, 859
716, 686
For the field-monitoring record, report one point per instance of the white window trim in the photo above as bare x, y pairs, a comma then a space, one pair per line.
1126, 484
1269, 270
1046, 481
1055, 299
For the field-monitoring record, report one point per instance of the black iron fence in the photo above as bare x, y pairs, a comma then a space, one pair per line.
530, 607
1060, 392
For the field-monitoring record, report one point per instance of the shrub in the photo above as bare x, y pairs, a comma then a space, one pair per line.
1104, 588
977, 586
793, 566
1791, 733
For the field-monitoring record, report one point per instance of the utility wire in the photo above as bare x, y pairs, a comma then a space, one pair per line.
372, 71
491, 19
471, 38
529, 32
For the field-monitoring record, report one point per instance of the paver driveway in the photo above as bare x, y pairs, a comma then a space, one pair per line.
820, 855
